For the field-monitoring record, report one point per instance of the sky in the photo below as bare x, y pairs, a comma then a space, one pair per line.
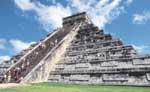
23, 22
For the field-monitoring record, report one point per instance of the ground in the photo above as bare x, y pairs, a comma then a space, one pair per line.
60, 87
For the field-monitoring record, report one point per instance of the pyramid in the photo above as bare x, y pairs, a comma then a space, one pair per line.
78, 53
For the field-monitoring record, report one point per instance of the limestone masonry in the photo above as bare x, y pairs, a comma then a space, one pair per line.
78, 53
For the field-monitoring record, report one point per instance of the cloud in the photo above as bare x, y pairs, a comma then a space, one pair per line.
51, 16
4, 58
102, 12
2, 43
141, 18
25, 4
19, 45
141, 48
48, 16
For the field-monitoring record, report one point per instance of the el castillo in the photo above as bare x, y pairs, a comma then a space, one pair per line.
81, 54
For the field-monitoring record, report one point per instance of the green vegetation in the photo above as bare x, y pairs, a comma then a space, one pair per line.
60, 87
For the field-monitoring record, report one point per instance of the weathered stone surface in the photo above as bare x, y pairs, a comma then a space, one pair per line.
98, 58
78, 53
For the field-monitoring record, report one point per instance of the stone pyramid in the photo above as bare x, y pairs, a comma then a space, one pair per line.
78, 53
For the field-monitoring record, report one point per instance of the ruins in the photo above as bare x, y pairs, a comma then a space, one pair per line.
79, 53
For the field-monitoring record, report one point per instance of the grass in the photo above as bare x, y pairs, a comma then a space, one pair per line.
60, 87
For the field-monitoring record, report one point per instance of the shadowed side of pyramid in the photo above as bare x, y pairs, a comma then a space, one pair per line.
78, 53
94, 57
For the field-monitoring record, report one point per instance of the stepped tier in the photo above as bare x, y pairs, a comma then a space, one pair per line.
94, 57
78, 53
22, 66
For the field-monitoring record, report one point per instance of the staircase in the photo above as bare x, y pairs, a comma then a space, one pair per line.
94, 57
22, 66
78, 53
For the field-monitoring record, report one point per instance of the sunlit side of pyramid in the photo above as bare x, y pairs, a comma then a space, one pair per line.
78, 53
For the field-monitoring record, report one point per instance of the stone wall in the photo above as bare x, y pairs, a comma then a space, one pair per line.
97, 58
41, 72
78, 53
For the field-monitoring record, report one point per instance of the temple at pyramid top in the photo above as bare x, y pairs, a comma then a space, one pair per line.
78, 53
77, 18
